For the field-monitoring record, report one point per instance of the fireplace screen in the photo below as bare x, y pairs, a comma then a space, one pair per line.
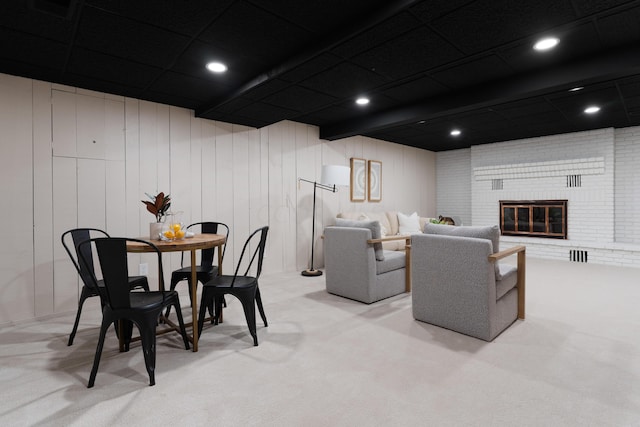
539, 218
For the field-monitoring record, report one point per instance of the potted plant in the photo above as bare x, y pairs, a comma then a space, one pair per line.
159, 207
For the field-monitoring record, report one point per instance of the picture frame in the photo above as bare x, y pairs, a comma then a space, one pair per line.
358, 183
374, 177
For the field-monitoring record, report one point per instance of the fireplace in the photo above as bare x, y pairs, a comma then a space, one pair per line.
536, 218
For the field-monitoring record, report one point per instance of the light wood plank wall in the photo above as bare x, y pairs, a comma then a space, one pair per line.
77, 158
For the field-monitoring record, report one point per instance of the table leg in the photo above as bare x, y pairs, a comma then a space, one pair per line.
194, 299
220, 318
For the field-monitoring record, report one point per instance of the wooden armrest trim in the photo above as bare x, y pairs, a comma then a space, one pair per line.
389, 239
507, 252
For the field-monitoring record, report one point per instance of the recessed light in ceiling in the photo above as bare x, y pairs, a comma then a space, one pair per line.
546, 44
216, 67
362, 101
592, 109
455, 132
575, 89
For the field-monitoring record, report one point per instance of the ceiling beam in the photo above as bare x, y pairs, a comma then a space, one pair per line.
610, 65
310, 52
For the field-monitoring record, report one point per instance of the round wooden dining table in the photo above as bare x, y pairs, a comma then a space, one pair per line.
192, 244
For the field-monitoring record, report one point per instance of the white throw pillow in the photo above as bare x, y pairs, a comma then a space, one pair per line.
408, 224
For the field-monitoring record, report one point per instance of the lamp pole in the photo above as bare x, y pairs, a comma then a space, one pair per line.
312, 271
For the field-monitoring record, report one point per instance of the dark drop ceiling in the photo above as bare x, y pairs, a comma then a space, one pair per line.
426, 66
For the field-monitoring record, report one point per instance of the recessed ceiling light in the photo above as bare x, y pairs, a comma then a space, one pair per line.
592, 109
546, 44
455, 132
216, 67
362, 101
575, 89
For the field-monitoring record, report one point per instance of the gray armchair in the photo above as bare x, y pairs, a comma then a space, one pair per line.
357, 267
459, 285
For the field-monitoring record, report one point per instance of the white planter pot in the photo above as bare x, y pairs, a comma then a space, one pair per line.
155, 229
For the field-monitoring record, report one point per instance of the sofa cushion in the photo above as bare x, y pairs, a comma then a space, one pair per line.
392, 217
374, 226
408, 224
508, 281
393, 260
491, 232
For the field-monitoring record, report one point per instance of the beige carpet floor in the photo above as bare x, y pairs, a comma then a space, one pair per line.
328, 361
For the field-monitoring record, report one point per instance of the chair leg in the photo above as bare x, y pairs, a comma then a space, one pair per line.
84, 294
172, 287
204, 302
260, 308
183, 331
248, 304
96, 360
148, 337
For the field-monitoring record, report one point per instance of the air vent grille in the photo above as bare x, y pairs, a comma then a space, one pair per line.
574, 181
576, 255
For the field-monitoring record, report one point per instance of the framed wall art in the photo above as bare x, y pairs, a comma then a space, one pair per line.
358, 179
374, 176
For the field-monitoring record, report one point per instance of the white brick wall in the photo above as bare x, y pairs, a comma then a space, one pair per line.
453, 175
603, 214
627, 185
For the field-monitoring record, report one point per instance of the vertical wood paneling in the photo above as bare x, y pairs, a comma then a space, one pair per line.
90, 120
208, 180
240, 174
262, 186
224, 187
180, 173
44, 238
114, 129
305, 169
65, 217
194, 211
16, 251
64, 123
133, 207
149, 162
289, 180
91, 194
278, 218
116, 200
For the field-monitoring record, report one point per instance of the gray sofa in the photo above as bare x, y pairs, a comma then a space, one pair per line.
356, 265
458, 284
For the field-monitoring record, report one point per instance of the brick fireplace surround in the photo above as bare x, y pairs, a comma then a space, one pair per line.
597, 172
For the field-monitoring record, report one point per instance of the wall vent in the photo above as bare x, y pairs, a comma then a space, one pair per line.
578, 255
574, 181
497, 184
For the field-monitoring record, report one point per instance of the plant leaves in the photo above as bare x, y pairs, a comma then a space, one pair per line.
150, 207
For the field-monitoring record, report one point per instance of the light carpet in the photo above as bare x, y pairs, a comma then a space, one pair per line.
329, 361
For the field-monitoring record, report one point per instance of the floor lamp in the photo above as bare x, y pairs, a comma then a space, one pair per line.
332, 177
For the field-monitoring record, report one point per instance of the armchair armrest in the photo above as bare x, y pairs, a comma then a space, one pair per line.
521, 251
389, 239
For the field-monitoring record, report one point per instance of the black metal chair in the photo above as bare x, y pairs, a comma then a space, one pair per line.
140, 308
77, 236
206, 270
242, 286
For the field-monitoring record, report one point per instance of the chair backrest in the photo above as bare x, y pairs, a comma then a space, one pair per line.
259, 239
79, 235
112, 256
209, 227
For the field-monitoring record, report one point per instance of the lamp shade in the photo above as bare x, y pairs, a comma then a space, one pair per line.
339, 176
